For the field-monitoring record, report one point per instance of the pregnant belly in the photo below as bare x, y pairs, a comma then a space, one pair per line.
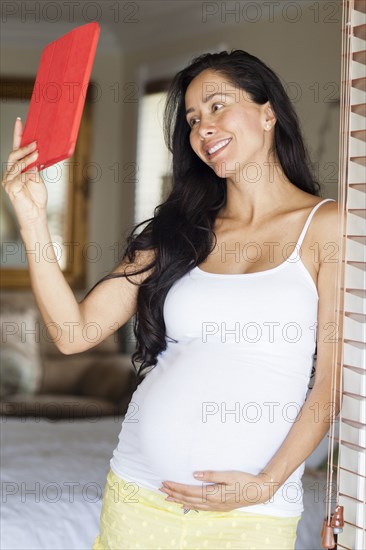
196, 413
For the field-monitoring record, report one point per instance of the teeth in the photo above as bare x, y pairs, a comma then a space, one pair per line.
218, 146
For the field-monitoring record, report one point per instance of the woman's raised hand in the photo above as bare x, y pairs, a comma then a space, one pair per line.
27, 191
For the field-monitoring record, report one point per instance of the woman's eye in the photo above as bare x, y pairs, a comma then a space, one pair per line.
215, 107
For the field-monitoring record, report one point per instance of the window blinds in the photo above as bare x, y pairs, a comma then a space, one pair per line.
351, 473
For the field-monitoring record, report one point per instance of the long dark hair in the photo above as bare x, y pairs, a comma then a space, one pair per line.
181, 231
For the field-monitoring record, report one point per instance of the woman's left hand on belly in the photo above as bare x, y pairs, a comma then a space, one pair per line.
226, 491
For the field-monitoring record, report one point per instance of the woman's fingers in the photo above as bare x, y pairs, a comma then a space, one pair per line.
18, 132
15, 168
22, 151
19, 152
34, 175
22, 182
23, 160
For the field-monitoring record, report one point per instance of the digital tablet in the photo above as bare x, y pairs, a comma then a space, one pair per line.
59, 94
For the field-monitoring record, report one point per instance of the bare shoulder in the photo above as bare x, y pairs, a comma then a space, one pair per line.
326, 229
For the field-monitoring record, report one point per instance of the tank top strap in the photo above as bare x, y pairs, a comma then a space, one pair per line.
307, 223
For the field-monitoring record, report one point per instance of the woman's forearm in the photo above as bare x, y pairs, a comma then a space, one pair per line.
54, 297
308, 430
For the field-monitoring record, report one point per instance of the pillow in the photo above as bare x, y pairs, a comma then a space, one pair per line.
20, 366
15, 372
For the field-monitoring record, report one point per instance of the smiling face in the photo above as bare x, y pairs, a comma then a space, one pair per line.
227, 128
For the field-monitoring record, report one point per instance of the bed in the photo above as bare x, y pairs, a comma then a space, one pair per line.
53, 477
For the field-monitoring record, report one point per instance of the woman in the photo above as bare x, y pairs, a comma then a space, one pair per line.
234, 291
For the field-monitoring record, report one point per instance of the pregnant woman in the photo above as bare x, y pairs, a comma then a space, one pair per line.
233, 283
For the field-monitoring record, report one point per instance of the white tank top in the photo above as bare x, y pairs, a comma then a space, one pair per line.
226, 394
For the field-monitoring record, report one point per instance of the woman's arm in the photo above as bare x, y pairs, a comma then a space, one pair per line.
108, 306
313, 420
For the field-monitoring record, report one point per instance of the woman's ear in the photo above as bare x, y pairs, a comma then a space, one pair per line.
269, 113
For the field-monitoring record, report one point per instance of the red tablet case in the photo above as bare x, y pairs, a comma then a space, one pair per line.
59, 93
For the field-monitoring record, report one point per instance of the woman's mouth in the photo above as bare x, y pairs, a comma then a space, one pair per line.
217, 147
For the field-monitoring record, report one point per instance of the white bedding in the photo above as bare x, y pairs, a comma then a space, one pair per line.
56, 472
53, 476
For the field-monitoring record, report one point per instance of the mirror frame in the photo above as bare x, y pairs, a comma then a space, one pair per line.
77, 209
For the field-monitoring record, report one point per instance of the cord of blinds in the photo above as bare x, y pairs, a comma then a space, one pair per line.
351, 468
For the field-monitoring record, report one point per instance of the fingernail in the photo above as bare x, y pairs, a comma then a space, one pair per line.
18, 118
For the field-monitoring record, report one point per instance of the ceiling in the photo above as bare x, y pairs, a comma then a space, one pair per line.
125, 24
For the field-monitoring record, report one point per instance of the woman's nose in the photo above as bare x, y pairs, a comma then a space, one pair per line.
206, 129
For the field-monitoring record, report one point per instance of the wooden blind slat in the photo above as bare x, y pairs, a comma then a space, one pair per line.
359, 186
352, 446
359, 83
349, 471
360, 31
359, 109
359, 134
355, 343
354, 423
354, 395
359, 57
354, 525
359, 160
359, 265
358, 238
360, 292
358, 211
360, 5
350, 497
359, 317
359, 370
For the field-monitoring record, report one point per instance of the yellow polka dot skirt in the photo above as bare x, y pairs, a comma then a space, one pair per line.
135, 517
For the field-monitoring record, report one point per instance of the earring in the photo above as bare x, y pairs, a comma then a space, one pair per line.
268, 126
